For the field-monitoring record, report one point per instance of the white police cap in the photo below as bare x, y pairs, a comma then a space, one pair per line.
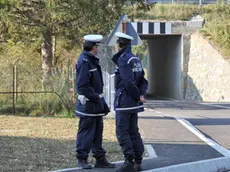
123, 35
93, 38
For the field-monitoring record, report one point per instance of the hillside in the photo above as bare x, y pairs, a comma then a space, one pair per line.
217, 17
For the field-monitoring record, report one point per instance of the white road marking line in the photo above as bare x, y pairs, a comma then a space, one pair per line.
67, 169
210, 142
201, 136
203, 165
212, 105
151, 151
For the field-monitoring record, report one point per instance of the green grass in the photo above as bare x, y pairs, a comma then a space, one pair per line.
46, 144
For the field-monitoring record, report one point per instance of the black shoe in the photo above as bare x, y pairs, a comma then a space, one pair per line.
128, 166
83, 164
138, 166
103, 163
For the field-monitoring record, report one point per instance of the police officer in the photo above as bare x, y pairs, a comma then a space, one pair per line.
131, 87
91, 106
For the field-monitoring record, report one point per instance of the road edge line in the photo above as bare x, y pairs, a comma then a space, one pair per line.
213, 164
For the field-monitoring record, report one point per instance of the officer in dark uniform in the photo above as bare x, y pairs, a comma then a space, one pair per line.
91, 106
131, 87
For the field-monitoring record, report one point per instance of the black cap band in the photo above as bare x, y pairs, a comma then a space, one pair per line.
124, 41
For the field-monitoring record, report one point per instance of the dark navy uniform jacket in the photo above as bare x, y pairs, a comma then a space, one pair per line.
130, 83
89, 86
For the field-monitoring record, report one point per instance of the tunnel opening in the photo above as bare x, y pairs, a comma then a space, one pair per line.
164, 66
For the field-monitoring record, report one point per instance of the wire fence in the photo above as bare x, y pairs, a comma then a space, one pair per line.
200, 2
21, 91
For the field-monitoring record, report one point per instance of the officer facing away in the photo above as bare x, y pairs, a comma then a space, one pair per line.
131, 87
91, 105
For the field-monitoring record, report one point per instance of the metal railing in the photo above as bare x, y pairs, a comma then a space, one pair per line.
109, 89
200, 2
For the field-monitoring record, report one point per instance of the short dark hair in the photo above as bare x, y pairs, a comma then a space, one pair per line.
88, 46
123, 42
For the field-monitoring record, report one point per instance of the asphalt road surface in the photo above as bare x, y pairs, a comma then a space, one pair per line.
182, 132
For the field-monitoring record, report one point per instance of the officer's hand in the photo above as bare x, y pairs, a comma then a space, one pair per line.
142, 99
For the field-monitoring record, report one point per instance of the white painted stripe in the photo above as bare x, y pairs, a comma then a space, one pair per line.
195, 131
214, 165
168, 28
87, 114
212, 105
129, 108
134, 24
210, 142
67, 169
151, 151
92, 70
132, 59
157, 28
145, 28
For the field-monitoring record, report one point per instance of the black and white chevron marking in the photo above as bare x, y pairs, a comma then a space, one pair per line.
152, 27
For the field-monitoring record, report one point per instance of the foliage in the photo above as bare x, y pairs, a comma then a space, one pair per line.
217, 27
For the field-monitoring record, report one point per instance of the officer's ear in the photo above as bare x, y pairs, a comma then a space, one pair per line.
87, 46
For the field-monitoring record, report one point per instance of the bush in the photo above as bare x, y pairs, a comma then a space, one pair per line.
216, 29
29, 79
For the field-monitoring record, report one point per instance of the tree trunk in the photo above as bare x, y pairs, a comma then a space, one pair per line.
47, 59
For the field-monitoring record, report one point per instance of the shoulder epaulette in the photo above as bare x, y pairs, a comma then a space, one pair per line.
85, 59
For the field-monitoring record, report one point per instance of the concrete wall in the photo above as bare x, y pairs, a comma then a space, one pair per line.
164, 66
206, 74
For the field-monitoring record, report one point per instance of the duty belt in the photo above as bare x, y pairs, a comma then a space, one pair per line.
83, 99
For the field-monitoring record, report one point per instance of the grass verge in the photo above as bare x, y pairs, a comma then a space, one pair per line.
44, 144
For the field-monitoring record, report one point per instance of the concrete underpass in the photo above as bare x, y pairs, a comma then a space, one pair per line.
164, 66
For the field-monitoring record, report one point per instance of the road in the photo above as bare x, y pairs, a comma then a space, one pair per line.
182, 132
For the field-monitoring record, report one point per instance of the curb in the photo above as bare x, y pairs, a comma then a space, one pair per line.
150, 151
212, 165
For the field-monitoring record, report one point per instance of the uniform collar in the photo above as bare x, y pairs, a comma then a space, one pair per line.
126, 49
91, 56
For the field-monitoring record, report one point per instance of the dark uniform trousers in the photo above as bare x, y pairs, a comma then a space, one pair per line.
128, 136
89, 83
90, 137
130, 84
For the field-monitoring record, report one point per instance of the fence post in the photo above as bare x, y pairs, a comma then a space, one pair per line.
16, 83
13, 90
